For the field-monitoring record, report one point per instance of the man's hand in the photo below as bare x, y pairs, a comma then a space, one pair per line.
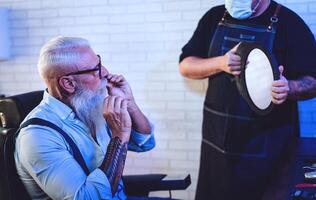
117, 117
280, 88
118, 86
232, 62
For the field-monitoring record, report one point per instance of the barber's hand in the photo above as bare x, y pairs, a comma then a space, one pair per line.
232, 64
117, 117
280, 88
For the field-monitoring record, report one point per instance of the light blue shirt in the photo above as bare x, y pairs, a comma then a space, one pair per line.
44, 159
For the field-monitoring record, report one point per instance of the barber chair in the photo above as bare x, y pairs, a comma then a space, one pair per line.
12, 112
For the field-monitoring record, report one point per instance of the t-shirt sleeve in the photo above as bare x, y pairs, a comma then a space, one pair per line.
301, 48
199, 43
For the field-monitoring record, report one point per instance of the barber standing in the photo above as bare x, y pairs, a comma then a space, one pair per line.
240, 149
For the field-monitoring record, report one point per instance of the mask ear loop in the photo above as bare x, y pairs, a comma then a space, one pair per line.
254, 10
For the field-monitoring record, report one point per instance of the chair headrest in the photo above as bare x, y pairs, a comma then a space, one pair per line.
15, 108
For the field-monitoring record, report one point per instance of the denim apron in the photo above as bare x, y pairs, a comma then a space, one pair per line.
238, 146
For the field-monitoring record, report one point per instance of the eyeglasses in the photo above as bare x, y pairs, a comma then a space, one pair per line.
97, 68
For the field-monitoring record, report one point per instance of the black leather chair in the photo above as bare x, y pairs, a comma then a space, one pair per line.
12, 112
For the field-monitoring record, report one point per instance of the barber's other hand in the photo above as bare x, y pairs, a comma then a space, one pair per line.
280, 88
117, 117
232, 62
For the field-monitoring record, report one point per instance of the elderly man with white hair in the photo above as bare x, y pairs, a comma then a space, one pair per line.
96, 110
241, 149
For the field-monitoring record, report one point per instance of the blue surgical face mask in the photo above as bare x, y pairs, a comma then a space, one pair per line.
239, 9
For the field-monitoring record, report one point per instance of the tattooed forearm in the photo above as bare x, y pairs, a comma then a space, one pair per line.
303, 88
114, 162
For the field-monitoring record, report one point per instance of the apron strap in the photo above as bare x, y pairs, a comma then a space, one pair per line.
274, 19
223, 18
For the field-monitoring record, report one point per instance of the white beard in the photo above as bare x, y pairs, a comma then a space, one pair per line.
88, 106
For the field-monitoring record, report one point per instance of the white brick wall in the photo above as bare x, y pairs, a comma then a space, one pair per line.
141, 39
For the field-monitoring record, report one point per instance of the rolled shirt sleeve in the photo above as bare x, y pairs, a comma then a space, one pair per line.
140, 142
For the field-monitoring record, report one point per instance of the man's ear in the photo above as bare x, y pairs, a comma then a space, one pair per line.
67, 83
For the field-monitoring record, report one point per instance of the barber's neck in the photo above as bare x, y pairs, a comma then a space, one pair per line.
259, 7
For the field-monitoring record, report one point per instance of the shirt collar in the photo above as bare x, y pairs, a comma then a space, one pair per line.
57, 106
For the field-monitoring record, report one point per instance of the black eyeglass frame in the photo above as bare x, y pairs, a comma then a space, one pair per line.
97, 68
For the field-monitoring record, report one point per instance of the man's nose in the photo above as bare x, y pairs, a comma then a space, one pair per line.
104, 72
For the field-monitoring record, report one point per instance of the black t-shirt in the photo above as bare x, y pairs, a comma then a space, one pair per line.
294, 45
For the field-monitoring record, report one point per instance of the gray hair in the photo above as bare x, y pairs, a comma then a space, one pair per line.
60, 53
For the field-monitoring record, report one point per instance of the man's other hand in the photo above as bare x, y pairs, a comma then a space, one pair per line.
117, 117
